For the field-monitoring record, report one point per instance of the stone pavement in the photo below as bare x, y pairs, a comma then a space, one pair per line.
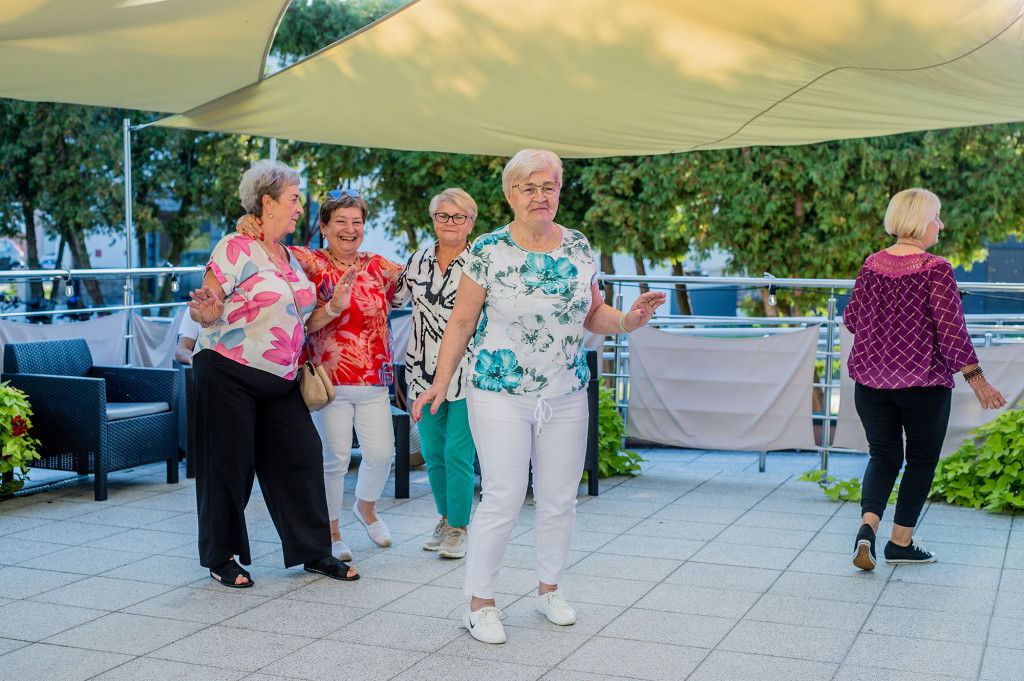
699, 569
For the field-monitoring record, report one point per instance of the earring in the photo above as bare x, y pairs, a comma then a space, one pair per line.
271, 216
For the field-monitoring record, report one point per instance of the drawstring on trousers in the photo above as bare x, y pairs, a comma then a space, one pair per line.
542, 413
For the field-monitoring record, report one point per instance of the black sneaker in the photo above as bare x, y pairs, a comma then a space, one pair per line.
908, 555
864, 548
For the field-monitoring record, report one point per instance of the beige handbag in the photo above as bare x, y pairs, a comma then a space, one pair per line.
315, 386
314, 382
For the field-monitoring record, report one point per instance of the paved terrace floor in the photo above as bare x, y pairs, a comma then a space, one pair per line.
699, 569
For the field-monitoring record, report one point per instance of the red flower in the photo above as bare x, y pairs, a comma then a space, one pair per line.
18, 426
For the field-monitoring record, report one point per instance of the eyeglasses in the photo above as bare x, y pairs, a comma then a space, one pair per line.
547, 189
458, 218
338, 193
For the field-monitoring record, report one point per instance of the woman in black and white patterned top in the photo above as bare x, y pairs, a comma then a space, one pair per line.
430, 280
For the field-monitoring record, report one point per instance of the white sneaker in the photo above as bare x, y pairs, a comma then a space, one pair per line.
485, 624
341, 551
439, 532
454, 545
553, 606
378, 531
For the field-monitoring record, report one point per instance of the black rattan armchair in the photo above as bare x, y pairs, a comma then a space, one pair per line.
94, 420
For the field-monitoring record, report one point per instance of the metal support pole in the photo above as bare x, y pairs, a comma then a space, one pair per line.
830, 344
129, 293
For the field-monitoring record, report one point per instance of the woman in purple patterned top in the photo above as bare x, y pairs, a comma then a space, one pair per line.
910, 337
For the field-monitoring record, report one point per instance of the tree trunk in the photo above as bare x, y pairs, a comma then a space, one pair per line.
80, 259
682, 294
641, 271
28, 212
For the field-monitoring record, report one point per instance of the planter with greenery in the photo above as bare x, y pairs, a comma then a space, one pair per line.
612, 459
19, 450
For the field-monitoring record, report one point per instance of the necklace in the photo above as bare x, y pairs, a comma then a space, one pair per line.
337, 260
905, 243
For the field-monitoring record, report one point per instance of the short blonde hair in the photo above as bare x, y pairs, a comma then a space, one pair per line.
264, 178
910, 211
526, 163
456, 196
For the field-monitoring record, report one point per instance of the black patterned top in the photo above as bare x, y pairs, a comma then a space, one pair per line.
433, 297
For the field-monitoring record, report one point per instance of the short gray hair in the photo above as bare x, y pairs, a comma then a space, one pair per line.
526, 163
264, 178
457, 197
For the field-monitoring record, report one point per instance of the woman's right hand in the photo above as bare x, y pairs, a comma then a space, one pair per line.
251, 226
987, 394
434, 396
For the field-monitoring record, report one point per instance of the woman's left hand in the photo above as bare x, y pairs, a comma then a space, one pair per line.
342, 295
643, 309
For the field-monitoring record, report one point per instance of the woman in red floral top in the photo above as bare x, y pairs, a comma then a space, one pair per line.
910, 337
355, 349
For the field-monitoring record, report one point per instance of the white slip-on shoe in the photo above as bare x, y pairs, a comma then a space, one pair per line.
553, 606
454, 544
485, 624
341, 551
378, 531
435, 539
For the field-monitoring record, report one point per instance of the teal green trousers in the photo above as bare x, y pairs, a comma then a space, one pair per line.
447, 446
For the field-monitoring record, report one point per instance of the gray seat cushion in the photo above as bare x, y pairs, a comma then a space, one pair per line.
127, 410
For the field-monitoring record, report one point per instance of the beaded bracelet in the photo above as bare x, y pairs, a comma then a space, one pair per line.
330, 311
621, 325
973, 374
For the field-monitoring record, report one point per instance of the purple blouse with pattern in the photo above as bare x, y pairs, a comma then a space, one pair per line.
908, 323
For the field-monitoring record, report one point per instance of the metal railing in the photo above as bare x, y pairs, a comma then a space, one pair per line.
986, 329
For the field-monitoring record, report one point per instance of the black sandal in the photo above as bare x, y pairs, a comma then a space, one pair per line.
227, 573
331, 567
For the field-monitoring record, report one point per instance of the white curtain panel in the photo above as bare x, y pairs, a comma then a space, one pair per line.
154, 342
746, 394
1004, 368
104, 336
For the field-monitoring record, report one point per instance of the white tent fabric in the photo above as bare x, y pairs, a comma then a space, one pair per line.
159, 55
103, 335
746, 394
606, 77
1004, 368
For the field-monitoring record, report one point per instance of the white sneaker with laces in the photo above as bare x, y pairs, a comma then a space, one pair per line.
485, 624
554, 606
439, 533
454, 544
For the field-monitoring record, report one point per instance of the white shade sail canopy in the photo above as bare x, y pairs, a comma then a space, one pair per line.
607, 77
154, 55
581, 77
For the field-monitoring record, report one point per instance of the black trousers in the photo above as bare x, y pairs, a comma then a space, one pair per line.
921, 413
252, 423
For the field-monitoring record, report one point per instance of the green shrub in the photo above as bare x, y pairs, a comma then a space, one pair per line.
987, 471
19, 450
611, 458
842, 490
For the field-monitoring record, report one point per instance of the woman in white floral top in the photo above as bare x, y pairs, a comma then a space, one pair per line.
528, 292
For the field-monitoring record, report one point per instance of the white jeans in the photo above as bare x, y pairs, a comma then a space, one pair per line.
368, 409
511, 432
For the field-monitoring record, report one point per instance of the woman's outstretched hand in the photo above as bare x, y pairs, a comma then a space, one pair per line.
342, 295
643, 309
207, 304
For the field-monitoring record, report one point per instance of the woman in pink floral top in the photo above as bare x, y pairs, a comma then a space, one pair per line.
355, 348
254, 309
910, 337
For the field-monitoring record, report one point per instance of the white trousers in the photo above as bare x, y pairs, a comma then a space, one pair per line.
511, 432
368, 409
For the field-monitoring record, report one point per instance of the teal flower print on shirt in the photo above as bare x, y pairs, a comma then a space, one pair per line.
497, 371
554, 277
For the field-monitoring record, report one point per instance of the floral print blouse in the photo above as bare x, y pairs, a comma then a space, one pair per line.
432, 292
355, 348
529, 340
260, 326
